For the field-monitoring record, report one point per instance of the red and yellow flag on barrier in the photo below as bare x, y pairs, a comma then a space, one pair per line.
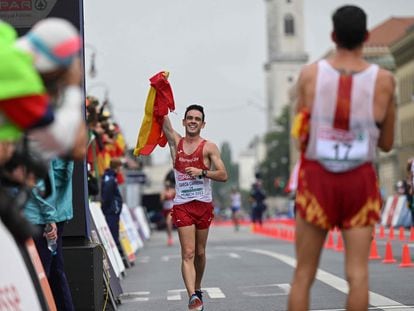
160, 101
300, 128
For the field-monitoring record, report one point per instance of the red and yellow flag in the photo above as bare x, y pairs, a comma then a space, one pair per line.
160, 101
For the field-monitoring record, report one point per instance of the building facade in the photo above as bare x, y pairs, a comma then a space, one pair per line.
286, 54
391, 47
402, 51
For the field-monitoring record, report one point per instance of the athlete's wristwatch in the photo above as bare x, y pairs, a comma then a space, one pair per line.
203, 173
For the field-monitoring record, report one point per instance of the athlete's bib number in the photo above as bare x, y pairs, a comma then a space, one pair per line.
342, 146
191, 188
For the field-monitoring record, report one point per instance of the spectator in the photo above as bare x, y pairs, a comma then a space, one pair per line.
54, 208
111, 199
257, 199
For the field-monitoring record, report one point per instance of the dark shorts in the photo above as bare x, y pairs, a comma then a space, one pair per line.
166, 212
343, 200
195, 213
235, 209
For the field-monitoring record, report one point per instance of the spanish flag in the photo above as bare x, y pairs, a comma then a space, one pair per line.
160, 101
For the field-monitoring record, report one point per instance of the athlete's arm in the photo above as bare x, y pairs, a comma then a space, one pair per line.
386, 91
304, 87
300, 93
219, 173
172, 136
300, 127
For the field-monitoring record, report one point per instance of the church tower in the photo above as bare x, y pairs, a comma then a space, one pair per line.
286, 54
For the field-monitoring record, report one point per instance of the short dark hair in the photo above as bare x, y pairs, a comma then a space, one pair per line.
350, 26
194, 107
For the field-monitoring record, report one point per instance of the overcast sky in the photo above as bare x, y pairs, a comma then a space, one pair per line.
214, 51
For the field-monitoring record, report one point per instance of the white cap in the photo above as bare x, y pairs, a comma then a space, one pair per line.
54, 42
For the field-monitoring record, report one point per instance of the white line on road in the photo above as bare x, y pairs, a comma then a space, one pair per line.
143, 259
214, 292
274, 290
234, 255
175, 294
134, 296
167, 258
332, 280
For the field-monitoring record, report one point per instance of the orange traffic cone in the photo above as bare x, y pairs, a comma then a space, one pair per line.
382, 232
374, 250
339, 243
412, 234
389, 258
406, 258
330, 241
391, 233
402, 234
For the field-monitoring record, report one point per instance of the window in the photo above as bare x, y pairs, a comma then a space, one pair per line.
289, 25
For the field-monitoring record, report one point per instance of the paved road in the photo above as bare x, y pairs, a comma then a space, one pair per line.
251, 272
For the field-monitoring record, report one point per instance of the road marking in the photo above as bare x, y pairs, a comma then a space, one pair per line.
275, 290
134, 296
175, 294
167, 258
143, 259
212, 292
332, 280
234, 255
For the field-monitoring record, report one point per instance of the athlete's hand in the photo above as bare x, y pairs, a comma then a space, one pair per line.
193, 171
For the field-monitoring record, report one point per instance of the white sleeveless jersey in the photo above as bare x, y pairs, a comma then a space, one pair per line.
343, 133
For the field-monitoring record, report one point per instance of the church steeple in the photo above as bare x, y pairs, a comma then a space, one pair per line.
286, 53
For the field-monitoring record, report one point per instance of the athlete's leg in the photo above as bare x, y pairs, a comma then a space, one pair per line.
308, 246
187, 237
200, 255
169, 224
357, 246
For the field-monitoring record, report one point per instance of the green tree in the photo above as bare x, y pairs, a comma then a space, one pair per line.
221, 190
275, 168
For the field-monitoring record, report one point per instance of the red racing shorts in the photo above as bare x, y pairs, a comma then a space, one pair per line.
195, 213
343, 200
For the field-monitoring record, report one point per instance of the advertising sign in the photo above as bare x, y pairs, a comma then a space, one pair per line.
24, 13
106, 238
17, 291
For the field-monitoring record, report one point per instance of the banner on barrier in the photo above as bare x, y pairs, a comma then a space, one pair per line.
126, 243
395, 212
143, 226
17, 291
106, 238
131, 228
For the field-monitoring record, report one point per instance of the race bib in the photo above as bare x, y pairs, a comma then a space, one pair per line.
189, 187
342, 149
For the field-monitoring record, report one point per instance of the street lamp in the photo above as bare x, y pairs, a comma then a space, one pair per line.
92, 65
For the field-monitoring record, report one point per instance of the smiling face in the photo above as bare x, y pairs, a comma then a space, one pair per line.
193, 122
